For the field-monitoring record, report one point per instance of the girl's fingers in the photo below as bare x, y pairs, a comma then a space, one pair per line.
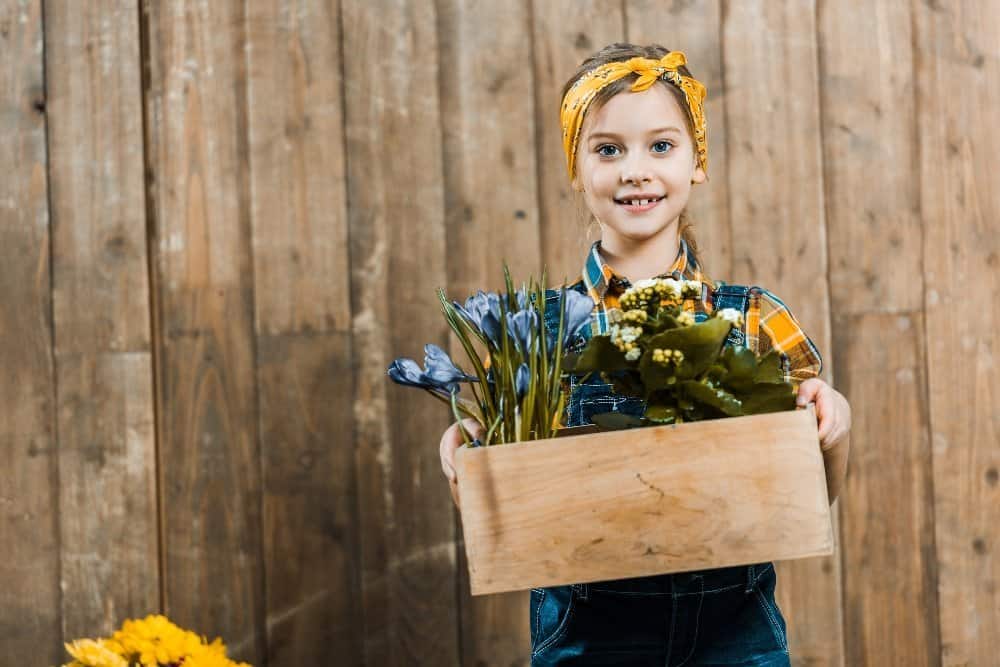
452, 440
809, 391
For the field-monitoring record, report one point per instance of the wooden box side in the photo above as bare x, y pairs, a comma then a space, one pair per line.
644, 501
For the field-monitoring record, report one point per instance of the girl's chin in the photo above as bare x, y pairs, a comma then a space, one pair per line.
639, 234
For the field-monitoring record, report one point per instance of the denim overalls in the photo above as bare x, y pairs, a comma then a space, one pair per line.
725, 616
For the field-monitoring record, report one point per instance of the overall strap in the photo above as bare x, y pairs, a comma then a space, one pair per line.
737, 297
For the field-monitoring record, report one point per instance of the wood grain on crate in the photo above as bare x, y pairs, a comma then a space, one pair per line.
636, 503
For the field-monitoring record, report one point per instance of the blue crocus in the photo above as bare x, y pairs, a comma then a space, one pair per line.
407, 372
440, 369
439, 374
521, 298
475, 307
521, 380
521, 327
491, 327
577, 308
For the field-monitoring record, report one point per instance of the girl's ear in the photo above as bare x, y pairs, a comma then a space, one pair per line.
699, 175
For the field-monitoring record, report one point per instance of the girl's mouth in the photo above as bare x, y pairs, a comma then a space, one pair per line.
639, 204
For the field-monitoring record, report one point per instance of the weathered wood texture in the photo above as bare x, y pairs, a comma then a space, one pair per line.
30, 615
298, 211
688, 497
874, 231
959, 49
203, 294
396, 217
104, 363
221, 220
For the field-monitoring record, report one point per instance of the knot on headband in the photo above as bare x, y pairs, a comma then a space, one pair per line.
583, 92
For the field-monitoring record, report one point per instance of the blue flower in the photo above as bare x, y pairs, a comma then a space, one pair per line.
521, 380
441, 370
475, 307
577, 308
407, 372
491, 327
521, 298
441, 374
521, 327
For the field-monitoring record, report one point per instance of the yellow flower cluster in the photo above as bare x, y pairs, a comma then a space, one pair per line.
645, 293
150, 642
659, 291
685, 319
665, 357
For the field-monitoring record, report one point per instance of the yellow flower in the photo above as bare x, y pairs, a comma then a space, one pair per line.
154, 640
151, 642
212, 655
91, 653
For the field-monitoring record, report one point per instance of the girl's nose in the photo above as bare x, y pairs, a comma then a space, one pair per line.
635, 171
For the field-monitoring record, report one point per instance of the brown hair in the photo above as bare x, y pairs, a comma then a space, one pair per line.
622, 51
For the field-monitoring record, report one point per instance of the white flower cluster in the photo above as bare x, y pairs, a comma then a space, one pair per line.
633, 354
731, 315
624, 337
691, 288
685, 319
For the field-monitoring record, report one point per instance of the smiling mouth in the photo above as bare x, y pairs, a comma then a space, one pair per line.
637, 204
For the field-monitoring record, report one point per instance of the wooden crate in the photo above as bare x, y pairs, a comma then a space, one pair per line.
644, 501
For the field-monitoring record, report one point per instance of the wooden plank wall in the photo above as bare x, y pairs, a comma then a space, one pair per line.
221, 220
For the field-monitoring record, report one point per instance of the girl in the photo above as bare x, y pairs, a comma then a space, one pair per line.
634, 135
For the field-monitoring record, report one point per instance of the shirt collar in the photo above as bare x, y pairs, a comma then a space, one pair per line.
598, 275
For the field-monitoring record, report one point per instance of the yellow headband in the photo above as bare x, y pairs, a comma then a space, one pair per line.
582, 93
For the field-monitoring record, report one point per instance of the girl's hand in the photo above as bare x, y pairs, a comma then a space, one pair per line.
452, 440
832, 410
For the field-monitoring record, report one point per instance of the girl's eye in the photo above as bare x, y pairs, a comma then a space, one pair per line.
661, 146
607, 150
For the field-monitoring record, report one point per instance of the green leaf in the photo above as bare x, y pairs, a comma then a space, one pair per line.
615, 421
664, 321
741, 367
769, 369
769, 398
700, 343
627, 382
600, 354
661, 414
720, 399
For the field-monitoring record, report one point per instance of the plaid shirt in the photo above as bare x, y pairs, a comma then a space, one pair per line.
768, 323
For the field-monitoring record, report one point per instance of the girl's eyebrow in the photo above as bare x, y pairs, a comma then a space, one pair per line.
612, 135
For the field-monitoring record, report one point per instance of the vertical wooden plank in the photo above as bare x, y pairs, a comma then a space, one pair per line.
397, 248
870, 150
776, 199
489, 131
107, 456
29, 479
960, 204
207, 413
491, 176
303, 327
565, 32
890, 606
694, 28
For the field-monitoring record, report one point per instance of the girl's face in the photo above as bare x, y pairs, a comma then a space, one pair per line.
636, 164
